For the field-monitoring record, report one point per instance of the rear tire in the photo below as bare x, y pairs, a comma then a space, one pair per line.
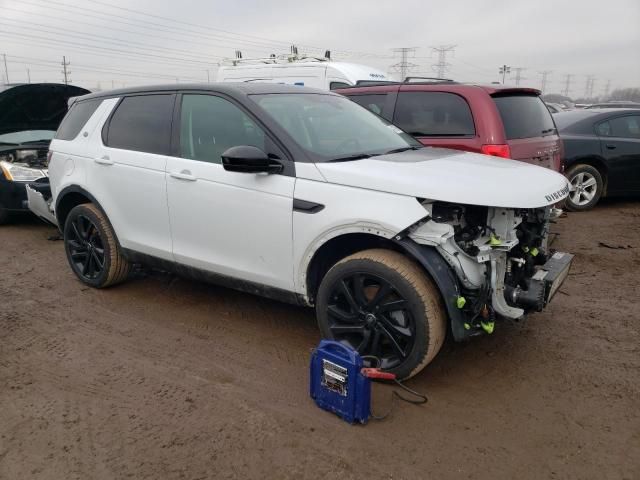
381, 303
92, 250
586, 188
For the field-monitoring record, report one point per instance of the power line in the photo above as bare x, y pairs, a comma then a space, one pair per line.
518, 78
404, 66
97, 69
442, 66
543, 82
101, 39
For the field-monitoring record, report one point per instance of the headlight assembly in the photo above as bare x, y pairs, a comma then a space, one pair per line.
20, 173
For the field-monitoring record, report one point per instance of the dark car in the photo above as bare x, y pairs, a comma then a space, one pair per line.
29, 117
602, 154
494, 120
614, 104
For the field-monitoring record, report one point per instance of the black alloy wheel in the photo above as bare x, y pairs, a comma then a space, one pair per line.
85, 247
368, 313
92, 249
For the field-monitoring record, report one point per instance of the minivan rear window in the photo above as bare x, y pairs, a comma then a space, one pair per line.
77, 116
524, 116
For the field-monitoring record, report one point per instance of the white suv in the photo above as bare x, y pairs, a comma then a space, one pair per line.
304, 196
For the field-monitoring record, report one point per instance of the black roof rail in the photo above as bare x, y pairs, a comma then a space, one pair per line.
427, 79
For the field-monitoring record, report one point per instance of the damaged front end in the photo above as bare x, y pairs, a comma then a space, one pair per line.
501, 260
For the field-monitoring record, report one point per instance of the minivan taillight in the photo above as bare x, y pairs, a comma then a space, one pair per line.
49, 153
501, 150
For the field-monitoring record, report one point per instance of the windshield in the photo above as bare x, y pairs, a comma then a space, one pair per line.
331, 127
27, 136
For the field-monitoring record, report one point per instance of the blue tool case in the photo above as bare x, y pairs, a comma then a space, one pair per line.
336, 383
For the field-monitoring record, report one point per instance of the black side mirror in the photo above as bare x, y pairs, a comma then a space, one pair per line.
248, 159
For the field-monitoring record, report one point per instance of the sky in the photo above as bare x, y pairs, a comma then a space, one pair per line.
115, 43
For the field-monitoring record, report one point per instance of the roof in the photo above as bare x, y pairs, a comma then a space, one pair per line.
568, 119
243, 88
490, 89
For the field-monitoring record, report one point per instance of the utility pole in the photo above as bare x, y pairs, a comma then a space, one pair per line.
545, 74
208, 79
518, 78
404, 66
6, 70
442, 66
66, 72
504, 69
567, 84
28, 76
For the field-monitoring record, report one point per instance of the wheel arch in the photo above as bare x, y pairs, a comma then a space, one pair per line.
72, 196
341, 246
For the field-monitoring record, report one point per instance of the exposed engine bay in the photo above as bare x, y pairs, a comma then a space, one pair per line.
500, 256
24, 164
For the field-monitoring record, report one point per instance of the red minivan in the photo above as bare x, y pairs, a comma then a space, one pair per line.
491, 119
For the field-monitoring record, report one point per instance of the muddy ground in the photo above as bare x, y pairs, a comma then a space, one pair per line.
167, 378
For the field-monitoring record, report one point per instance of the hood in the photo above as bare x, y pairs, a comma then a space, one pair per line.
35, 106
453, 176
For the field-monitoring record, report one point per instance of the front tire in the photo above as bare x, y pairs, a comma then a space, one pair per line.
382, 304
92, 250
586, 187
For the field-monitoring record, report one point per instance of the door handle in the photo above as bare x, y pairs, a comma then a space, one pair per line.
610, 146
183, 175
104, 160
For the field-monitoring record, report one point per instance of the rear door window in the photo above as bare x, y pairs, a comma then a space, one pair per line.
524, 116
76, 118
626, 127
433, 114
142, 124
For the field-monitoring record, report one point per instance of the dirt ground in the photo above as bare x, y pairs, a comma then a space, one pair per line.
167, 378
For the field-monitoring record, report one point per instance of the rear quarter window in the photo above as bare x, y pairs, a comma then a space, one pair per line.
524, 116
433, 114
142, 124
76, 118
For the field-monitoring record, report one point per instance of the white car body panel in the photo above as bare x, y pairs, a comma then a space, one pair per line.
346, 210
309, 74
234, 224
453, 176
121, 179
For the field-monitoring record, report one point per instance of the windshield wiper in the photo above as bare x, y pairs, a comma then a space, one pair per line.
42, 140
9, 144
404, 149
357, 156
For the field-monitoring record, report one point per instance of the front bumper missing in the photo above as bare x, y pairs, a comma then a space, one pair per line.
38, 205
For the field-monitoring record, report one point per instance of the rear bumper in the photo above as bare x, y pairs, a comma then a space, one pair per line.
39, 202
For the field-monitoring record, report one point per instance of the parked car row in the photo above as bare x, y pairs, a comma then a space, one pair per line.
304, 196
